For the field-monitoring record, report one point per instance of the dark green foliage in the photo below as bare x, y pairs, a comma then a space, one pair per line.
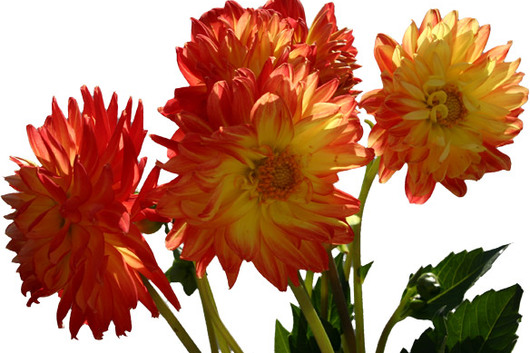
485, 325
455, 275
281, 339
183, 272
363, 271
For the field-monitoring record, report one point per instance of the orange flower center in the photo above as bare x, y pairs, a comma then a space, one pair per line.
447, 106
278, 176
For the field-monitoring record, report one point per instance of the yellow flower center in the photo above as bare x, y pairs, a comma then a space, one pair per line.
278, 175
447, 106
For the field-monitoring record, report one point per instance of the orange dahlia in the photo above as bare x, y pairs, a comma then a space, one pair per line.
72, 229
263, 191
445, 106
225, 40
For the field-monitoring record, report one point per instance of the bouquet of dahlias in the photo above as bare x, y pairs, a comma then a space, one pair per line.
244, 167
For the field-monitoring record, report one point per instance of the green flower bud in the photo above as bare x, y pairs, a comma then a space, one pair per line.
428, 286
416, 303
148, 227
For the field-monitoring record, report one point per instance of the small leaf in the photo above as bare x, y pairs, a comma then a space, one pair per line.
281, 339
183, 272
298, 339
455, 275
363, 271
487, 324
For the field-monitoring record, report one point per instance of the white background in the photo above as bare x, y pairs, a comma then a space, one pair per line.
51, 48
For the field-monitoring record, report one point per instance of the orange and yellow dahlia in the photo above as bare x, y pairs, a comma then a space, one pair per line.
445, 106
73, 229
263, 191
226, 40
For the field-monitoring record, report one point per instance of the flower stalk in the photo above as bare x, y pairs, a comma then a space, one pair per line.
340, 301
353, 258
399, 314
394, 319
171, 319
212, 337
308, 282
224, 338
312, 318
324, 296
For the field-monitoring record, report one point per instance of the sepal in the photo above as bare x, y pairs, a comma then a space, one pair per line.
183, 272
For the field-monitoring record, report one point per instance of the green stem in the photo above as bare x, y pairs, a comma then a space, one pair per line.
358, 295
222, 340
354, 255
173, 322
384, 335
212, 338
340, 301
221, 328
308, 282
225, 339
324, 296
344, 344
398, 315
369, 176
312, 319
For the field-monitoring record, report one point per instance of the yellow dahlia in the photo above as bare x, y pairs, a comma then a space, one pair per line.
263, 191
445, 106
226, 40
73, 229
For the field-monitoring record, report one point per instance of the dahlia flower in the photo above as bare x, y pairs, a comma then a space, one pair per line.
445, 106
227, 39
72, 227
263, 191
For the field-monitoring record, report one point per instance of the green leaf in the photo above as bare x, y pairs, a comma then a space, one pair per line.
299, 327
333, 335
455, 275
299, 341
183, 272
430, 341
363, 271
281, 339
487, 324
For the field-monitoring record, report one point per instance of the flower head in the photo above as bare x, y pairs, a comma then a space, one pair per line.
73, 228
225, 40
263, 191
445, 106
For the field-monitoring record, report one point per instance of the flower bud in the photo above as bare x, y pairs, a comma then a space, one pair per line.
428, 286
417, 303
147, 226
